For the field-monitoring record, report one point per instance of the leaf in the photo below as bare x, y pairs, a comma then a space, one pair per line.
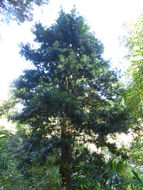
137, 177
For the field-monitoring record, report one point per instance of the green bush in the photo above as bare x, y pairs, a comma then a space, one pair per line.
29, 177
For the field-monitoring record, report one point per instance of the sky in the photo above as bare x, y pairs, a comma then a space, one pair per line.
104, 17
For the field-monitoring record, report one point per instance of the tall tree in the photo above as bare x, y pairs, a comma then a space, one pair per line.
70, 94
19, 10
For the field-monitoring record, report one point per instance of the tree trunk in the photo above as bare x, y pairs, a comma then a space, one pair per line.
66, 154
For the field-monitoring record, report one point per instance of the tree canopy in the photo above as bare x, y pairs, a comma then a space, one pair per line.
70, 95
134, 96
19, 10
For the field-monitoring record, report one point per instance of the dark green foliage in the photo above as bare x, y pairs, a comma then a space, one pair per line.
70, 79
70, 96
87, 169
